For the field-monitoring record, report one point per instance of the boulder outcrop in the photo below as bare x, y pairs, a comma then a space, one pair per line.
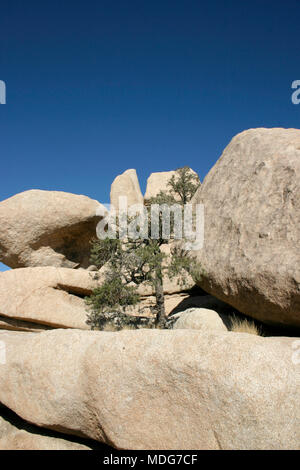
158, 181
32, 299
126, 184
200, 319
22, 436
38, 299
156, 389
251, 252
47, 228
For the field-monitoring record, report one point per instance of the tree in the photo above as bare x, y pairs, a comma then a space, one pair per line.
133, 261
184, 184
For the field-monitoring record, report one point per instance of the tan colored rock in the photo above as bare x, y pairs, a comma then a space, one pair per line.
174, 301
5, 428
178, 284
47, 296
171, 286
16, 438
159, 182
251, 252
179, 298
47, 228
126, 184
147, 303
200, 319
22, 440
174, 292
151, 389
208, 302
12, 324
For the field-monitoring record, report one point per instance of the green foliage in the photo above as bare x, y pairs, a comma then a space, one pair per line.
131, 262
184, 184
136, 261
103, 250
112, 295
182, 263
128, 264
162, 198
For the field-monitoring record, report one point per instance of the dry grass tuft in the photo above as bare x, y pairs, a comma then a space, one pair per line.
244, 326
109, 327
128, 327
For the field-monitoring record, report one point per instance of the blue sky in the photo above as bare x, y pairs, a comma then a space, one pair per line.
96, 87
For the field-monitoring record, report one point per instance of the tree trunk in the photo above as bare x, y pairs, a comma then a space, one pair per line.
161, 318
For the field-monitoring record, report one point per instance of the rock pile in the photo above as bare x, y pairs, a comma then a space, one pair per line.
156, 389
195, 385
47, 228
251, 252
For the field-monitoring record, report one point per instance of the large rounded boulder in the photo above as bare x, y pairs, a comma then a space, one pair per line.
126, 185
33, 299
251, 251
159, 181
156, 389
47, 228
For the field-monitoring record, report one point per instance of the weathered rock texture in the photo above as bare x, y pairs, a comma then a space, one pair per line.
251, 252
126, 184
194, 302
47, 228
25, 437
156, 389
174, 292
37, 298
159, 182
200, 319
13, 324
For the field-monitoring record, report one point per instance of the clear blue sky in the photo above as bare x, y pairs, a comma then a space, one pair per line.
96, 87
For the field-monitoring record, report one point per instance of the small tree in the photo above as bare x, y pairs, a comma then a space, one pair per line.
131, 262
184, 184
